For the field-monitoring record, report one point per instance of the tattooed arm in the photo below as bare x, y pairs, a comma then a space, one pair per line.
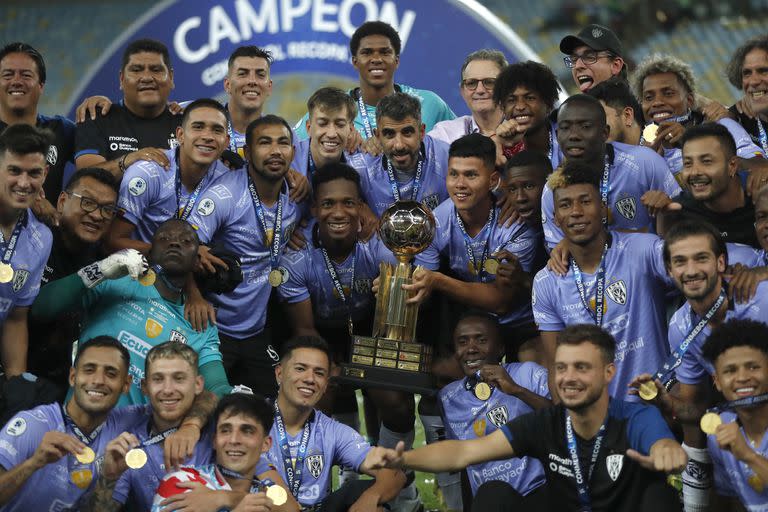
101, 499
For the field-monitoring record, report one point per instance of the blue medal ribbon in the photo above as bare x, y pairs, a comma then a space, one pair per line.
749, 401
292, 471
277, 235
416, 180
363, 109
762, 136
468, 240
10, 247
82, 436
604, 184
184, 212
676, 358
597, 316
582, 480
337, 283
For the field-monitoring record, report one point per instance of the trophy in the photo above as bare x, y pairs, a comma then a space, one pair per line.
392, 358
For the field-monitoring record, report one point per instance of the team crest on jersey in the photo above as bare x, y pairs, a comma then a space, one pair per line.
617, 292
479, 427
172, 141
177, 336
206, 207
498, 415
315, 465
137, 186
19, 278
627, 207
153, 328
431, 201
53, 155
16, 427
614, 463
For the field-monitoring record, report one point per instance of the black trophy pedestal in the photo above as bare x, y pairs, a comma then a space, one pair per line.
389, 364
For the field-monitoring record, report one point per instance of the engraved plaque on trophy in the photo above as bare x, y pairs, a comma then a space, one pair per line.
392, 358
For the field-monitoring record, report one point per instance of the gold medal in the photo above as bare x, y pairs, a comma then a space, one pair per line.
6, 273
709, 422
136, 458
756, 483
648, 390
482, 391
86, 457
491, 265
148, 279
649, 133
275, 278
277, 494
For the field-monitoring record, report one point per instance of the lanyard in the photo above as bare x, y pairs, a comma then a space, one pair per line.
274, 253
416, 180
337, 283
158, 438
679, 119
741, 402
604, 181
292, 470
82, 436
10, 247
763, 137
582, 483
311, 166
468, 240
184, 212
363, 109
599, 288
676, 358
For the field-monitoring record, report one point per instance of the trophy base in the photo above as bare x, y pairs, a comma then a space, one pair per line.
390, 364
390, 378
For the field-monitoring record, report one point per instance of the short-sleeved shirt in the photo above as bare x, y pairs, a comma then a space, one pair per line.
148, 193
617, 481
121, 132
745, 148
467, 417
694, 368
309, 279
136, 487
731, 475
520, 239
53, 486
634, 171
330, 443
635, 285
746, 255
28, 261
208, 475
140, 318
226, 217
376, 187
60, 155
433, 110
736, 226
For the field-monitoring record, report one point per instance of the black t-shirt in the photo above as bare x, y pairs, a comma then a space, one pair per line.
60, 153
121, 132
750, 126
617, 482
737, 226
50, 343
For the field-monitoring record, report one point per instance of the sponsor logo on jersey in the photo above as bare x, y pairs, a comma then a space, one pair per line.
479, 427
153, 328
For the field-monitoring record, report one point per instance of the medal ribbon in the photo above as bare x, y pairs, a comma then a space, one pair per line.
363, 109
468, 240
158, 438
471, 382
337, 283
274, 253
186, 211
763, 137
416, 180
676, 358
741, 402
256, 484
82, 436
10, 247
582, 483
599, 288
604, 182
292, 471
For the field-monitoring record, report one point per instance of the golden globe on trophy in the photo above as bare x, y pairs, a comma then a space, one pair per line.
392, 358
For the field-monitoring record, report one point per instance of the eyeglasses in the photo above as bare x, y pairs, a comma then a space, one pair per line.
471, 83
588, 58
89, 205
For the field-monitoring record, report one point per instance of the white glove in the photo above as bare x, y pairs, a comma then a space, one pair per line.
124, 262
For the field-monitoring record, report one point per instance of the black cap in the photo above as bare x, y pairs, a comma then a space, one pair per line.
597, 37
